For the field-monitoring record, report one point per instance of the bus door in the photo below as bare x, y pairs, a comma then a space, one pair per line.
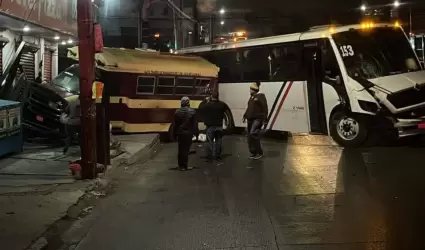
312, 63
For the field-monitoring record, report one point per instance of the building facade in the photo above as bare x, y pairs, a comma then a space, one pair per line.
119, 21
122, 21
43, 25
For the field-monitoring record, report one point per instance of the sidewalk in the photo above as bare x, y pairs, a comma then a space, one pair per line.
37, 189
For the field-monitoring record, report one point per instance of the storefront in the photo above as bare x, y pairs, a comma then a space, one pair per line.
49, 24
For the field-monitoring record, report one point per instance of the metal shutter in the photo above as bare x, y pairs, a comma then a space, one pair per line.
47, 64
28, 64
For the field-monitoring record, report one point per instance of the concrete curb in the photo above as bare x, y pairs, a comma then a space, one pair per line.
144, 152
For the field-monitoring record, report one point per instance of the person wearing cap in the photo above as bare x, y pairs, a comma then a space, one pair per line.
185, 127
256, 115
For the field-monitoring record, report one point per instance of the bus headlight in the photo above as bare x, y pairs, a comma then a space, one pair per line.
369, 106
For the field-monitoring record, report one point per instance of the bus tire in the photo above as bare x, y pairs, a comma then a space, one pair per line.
348, 130
228, 123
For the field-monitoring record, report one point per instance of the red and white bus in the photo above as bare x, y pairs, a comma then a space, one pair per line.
343, 81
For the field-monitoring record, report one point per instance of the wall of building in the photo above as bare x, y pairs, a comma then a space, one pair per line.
119, 20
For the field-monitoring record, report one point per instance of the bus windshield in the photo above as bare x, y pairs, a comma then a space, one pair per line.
69, 80
376, 52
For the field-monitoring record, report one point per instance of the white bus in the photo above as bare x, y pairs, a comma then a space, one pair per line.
344, 81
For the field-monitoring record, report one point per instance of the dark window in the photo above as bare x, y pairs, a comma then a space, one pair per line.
165, 11
165, 86
418, 42
285, 62
128, 31
202, 87
145, 85
186, 82
330, 64
184, 86
230, 64
256, 64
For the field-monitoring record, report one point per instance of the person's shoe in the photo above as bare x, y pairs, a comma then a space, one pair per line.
252, 156
183, 169
257, 157
189, 168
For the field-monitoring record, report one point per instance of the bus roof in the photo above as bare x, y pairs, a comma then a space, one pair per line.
150, 62
312, 33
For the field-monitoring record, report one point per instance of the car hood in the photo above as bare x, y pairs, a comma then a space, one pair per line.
59, 91
396, 83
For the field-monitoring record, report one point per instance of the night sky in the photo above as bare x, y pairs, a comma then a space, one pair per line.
285, 16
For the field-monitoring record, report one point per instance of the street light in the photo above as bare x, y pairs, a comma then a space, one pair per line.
222, 22
222, 11
396, 4
26, 28
363, 7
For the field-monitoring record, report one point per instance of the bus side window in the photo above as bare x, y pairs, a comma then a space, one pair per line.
330, 63
145, 85
184, 86
285, 62
230, 66
165, 86
201, 86
256, 64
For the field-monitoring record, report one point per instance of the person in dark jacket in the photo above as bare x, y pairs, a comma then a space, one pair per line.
185, 127
213, 111
256, 115
71, 119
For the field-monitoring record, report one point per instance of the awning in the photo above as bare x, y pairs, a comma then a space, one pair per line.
17, 26
130, 60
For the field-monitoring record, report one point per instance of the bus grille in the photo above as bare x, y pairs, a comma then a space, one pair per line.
407, 97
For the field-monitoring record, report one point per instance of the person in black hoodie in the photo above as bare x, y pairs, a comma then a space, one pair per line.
256, 114
185, 127
213, 112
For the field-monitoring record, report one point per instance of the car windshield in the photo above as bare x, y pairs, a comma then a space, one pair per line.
69, 79
377, 52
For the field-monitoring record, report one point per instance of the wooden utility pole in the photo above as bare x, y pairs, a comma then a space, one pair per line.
88, 107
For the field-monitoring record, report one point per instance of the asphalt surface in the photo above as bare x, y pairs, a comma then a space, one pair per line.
305, 194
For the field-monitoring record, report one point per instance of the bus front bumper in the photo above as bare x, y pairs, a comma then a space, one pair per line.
410, 127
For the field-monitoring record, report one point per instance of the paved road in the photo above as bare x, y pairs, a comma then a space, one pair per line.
304, 195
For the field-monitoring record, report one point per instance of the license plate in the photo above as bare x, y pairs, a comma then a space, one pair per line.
39, 118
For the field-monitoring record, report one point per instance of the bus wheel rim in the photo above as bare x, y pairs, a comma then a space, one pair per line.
348, 128
225, 121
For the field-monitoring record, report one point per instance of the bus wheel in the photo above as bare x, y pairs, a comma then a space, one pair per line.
348, 130
228, 122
